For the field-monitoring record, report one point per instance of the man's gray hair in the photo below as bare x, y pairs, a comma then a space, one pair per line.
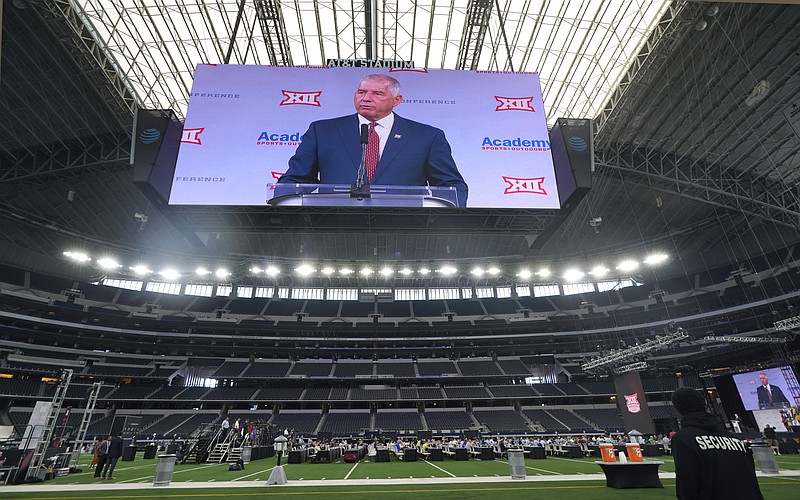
394, 85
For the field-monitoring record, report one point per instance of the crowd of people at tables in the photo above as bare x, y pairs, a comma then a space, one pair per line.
500, 444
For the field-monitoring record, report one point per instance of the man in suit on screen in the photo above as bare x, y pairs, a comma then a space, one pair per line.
770, 395
400, 152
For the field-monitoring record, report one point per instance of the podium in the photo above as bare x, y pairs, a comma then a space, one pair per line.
339, 195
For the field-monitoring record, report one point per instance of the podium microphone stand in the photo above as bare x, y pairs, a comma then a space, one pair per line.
361, 188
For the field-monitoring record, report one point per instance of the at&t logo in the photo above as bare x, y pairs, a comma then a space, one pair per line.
149, 136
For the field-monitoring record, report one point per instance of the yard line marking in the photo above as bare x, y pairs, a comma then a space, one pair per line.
253, 474
176, 472
437, 467
534, 468
572, 460
351, 470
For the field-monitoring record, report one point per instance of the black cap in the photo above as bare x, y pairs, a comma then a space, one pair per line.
688, 400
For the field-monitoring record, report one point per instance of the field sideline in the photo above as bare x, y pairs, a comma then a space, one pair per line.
568, 478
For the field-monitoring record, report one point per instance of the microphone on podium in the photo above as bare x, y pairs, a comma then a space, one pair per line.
361, 189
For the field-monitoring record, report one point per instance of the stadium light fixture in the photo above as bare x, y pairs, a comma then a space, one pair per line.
304, 270
493, 271
543, 272
447, 270
140, 269
202, 271
256, 270
272, 271
627, 265
108, 263
222, 273
655, 259
170, 274
478, 272
387, 271
346, 271
573, 274
424, 271
327, 271
365, 271
77, 256
599, 271
524, 274
406, 271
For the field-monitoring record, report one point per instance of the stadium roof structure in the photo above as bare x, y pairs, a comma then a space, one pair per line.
695, 106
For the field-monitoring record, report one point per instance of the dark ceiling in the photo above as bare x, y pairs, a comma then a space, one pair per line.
683, 163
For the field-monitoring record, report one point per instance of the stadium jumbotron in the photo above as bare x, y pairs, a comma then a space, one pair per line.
572, 210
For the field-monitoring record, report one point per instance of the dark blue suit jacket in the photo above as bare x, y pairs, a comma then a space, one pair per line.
415, 155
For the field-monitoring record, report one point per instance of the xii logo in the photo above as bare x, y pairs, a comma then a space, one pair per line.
517, 185
514, 103
304, 98
192, 135
632, 402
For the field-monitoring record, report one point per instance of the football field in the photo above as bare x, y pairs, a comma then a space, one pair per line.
562, 478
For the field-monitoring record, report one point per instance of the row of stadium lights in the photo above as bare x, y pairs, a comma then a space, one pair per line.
307, 270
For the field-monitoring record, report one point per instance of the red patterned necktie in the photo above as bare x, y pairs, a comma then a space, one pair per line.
373, 151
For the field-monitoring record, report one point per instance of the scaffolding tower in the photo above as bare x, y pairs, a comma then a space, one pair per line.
36, 468
80, 438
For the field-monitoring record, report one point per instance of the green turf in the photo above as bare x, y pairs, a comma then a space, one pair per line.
141, 472
773, 488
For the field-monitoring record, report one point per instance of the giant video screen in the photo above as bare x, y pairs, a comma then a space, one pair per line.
244, 125
767, 389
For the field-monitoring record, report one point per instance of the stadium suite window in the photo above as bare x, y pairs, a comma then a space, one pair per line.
503, 292
265, 292
126, 284
604, 286
576, 288
224, 290
343, 294
550, 290
523, 290
244, 292
443, 293
161, 287
199, 290
409, 294
308, 293
484, 292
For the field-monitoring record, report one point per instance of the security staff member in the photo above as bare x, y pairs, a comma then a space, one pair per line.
710, 463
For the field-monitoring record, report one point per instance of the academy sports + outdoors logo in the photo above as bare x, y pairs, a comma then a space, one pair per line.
302, 98
514, 144
279, 139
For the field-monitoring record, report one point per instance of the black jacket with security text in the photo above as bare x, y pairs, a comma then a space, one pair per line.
711, 463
